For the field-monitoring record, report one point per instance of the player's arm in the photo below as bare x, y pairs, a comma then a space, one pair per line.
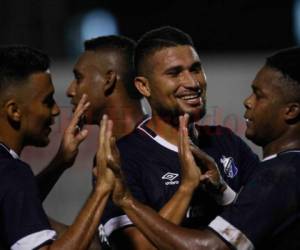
80, 233
211, 177
67, 152
191, 175
61, 228
165, 235
175, 209
162, 233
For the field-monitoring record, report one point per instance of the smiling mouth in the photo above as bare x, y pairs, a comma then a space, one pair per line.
190, 97
193, 98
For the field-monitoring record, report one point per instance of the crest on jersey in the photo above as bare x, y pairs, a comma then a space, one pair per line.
230, 168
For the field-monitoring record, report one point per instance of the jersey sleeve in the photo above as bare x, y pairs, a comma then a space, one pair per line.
24, 222
248, 160
266, 201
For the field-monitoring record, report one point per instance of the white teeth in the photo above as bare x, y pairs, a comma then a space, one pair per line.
189, 97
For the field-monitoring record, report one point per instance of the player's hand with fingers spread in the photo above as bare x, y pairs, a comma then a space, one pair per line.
190, 172
73, 136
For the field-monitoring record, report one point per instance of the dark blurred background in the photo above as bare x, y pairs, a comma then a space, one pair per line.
60, 26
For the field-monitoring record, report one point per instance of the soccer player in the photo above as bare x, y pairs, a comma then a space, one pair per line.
170, 74
105, 72
266, 213
27, 111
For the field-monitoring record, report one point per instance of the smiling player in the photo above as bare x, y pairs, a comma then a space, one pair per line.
170, 75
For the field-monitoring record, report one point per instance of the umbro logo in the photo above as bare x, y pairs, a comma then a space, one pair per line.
170, 177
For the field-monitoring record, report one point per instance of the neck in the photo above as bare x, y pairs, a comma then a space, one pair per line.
289, 141
164, 129
125, 115
12, 142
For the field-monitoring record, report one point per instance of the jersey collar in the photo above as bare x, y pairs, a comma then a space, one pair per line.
142, 127
10, 151
283, 152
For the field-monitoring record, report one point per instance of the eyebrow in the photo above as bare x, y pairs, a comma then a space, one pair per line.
256, 89
180, 68
196, 64
174, 68
50, 95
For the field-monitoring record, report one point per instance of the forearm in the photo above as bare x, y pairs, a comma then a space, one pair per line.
79, 235
175, 209
60, 229
165, 235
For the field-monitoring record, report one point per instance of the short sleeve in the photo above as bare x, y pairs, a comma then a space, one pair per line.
265, 202
24, 222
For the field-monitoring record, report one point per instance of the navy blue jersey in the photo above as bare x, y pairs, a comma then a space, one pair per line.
152, 170
266, 214
23, 222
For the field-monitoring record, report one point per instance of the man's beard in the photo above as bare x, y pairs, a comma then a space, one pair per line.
171, 116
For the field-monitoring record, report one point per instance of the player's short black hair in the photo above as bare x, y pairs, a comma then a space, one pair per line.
287, 61
18, 62
125, 47
157, 39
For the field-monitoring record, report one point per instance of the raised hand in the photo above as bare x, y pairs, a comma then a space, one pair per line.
210, 171
105, 176
109, 167
121, 191
190, 172
73, 135
196, 165
66, 154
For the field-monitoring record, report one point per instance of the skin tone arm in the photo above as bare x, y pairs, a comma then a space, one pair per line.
160, 232
165, 235
66, 154
61, 228
176, 208
79, 235
173, 211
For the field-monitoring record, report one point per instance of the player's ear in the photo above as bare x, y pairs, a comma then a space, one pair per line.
111, 78
142, 84
12, 110
292, 111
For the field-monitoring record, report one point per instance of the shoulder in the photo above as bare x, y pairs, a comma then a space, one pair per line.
287, 161
218, 132
282, 169
15, 173
216, 135
135, 142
